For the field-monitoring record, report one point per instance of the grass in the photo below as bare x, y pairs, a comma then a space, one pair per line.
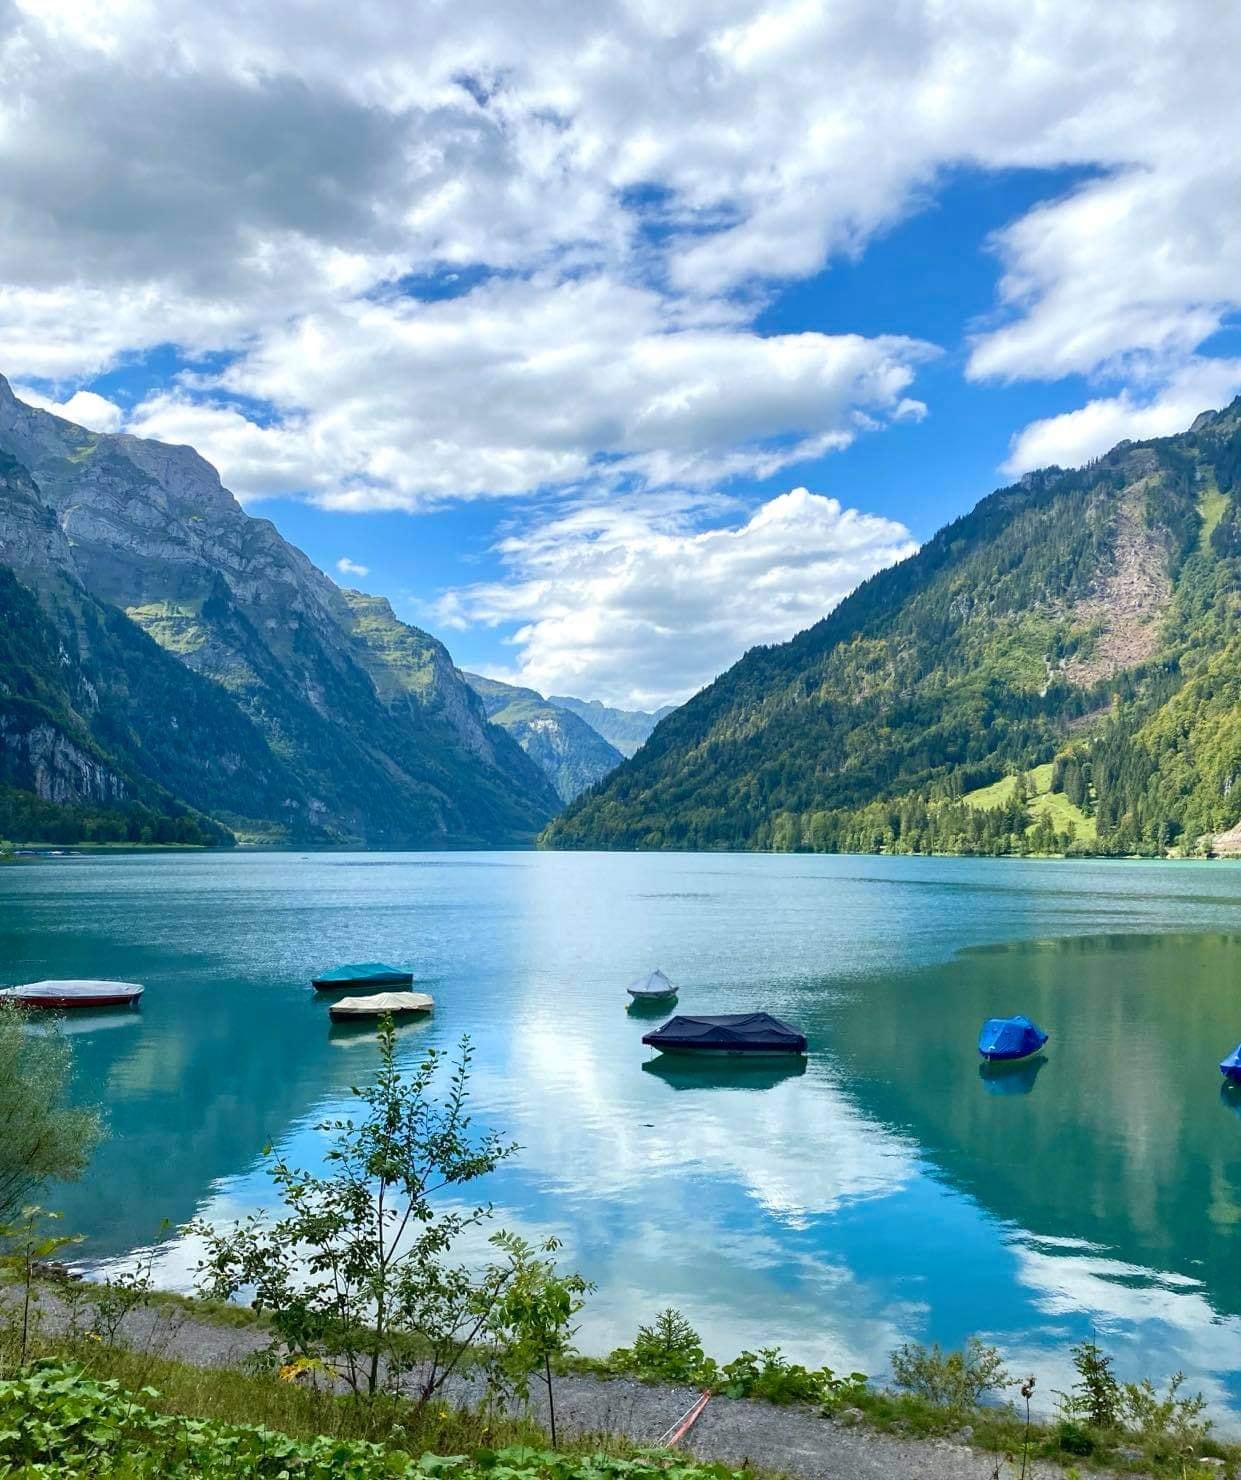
232, 1396
1211, 507
1043, 802
227, 1395
1056, 805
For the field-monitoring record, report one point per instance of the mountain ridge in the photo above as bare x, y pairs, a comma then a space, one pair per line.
571, 752
627, 730
361, 725
1087, 617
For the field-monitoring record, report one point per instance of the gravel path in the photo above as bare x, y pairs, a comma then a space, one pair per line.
795, 1441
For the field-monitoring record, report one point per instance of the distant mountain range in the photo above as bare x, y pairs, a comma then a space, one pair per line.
171, 669
1059, 670
577, 742
570, 752
626, 729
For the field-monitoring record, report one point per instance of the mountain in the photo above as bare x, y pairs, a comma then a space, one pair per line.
174, 668
626, 729
570, 752
1058, 670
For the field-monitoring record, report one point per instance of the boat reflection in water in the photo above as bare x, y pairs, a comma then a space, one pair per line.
1230, 1097
724, 1073
346, 1032
648, 1007
999, 1078
89, 1020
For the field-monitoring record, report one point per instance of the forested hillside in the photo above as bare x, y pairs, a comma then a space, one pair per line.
1085, 621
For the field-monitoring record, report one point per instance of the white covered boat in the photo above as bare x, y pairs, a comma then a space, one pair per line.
60, 995
653, 987
382, 1004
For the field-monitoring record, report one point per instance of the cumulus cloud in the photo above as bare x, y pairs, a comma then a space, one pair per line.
84, 408
256, 461
524, 384
349, 567
1077, 436
638, 605
267, 182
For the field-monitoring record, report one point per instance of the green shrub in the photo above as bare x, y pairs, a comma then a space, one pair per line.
1170, 1423
955, 1380
668, 1350
1095, 1398
769, 1375
1073, 1438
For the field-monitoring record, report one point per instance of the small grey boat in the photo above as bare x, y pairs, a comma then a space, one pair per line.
653, 987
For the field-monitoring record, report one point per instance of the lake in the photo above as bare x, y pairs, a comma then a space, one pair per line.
888, 1192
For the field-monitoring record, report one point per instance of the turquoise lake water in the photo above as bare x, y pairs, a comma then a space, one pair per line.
887, 1192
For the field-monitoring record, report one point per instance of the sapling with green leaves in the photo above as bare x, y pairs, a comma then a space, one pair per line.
42, 1136
28, 1242
530, 1325
355, 1268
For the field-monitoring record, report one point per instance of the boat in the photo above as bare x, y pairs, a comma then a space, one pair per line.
1003, 1040
382, 1004
1230, 1067
60, 995
361, 974
653, 987
753, 1034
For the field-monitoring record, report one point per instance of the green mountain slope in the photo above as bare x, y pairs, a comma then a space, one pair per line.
625, 729
251, 687
1086, 618
570, 753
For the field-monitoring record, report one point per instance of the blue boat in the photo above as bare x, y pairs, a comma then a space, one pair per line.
361, 974
1004, 1039
1230, 1067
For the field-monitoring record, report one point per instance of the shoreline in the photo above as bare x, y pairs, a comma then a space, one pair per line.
745, 1434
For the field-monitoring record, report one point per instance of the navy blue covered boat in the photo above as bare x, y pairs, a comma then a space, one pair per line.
752, 1033
1230, 1067
1004, 1039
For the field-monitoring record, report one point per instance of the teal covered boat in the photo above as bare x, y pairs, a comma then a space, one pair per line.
361, 974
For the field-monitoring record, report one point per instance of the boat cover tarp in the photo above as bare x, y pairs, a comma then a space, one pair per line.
77, 990
364, 972
1010, 1038
753, 1032
653, 984
1230, 1067
382, 1004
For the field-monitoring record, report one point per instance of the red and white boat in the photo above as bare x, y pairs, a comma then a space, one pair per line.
68, 994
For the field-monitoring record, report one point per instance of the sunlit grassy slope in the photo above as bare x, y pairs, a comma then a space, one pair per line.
1043, 802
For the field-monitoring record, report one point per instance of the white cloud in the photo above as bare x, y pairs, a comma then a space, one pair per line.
84, 408
630, 603
524, 384
255, 461
349, 567
257, 180
1077, 436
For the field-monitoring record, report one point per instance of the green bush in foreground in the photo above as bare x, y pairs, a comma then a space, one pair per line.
670, 1350
55, 1421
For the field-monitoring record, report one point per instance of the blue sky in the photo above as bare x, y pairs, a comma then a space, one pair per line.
608, 343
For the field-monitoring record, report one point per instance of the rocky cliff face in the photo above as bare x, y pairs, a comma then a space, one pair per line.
570, 753
367, 728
